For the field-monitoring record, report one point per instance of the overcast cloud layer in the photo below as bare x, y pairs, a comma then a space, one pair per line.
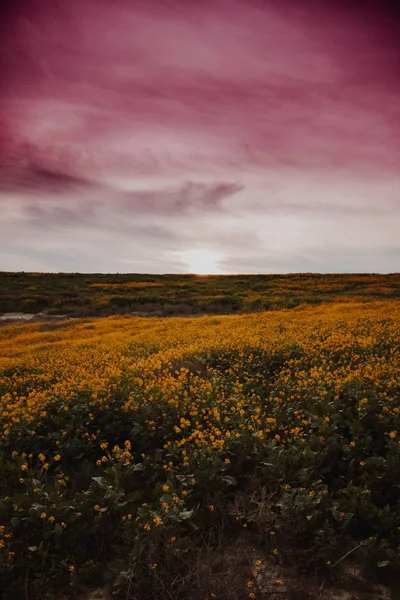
132, 133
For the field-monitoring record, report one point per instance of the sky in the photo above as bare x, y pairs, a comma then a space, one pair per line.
160, 136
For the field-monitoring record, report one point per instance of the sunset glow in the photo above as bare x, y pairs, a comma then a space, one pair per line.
202, 262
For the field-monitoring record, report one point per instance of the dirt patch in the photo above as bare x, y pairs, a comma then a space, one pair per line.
19, 318
238, 568
16, 316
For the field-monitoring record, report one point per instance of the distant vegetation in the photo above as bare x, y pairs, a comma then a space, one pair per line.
168, 295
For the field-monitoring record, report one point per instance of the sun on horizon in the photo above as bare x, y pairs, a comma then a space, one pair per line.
203, 262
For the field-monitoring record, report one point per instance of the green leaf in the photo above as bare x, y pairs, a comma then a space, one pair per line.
58, 529
15, 521
183, 478
229, 480
71, 517
118, 565
136, 429
383, 563
33, 548
186, 514
37, 509
136, 467
100, 482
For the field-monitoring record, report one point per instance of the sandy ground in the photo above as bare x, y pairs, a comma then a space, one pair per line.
22, 317
16, 316
353, 583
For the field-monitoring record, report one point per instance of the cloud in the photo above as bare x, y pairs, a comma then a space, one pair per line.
40, 180
190, 197
131, 131
184, 85
59, 202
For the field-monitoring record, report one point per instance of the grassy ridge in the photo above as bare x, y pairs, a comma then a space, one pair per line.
127, 445
165, 295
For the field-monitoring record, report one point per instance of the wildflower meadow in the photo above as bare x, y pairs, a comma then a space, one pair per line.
128, 445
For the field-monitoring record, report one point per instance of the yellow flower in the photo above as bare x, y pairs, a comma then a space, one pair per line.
362, 463
275, 551
392, 435
71, 568
43, 515
57, 457
157, 521
250, 584
24, 467
96, 507
211, 507
165, 487
147, 527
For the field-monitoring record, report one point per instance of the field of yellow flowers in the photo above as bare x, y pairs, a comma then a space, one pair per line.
128, 443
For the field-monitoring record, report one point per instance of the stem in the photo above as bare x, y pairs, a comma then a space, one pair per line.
347, 554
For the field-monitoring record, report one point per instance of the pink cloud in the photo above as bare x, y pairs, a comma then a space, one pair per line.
301, 85
251, 108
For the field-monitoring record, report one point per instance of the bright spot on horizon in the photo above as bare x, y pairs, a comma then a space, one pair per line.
202, 262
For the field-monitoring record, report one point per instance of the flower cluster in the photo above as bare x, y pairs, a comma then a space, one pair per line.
142, 426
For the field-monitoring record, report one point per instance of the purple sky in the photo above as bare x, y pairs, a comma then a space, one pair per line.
133, 133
